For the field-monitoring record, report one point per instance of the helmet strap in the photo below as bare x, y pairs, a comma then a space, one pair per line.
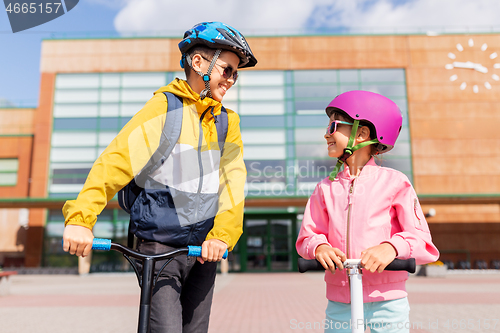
206, 77
349, 150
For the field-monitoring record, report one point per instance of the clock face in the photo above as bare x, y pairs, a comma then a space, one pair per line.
485, 63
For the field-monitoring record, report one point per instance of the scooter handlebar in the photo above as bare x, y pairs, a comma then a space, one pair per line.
105, 245
408, 265
195, 251
102, 244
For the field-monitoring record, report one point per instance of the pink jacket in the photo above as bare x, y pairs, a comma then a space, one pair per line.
355, 213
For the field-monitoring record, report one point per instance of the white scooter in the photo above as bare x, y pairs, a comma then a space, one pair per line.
355, 273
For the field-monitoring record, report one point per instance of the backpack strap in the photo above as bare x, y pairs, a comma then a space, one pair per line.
169, 137
222, 124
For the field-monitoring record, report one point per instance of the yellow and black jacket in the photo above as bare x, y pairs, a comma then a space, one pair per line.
196, 194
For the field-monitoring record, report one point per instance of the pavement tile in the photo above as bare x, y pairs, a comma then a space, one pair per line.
243, 303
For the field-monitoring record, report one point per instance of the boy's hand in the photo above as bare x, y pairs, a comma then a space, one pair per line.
330, 257
376, 258
212, 250
77, 240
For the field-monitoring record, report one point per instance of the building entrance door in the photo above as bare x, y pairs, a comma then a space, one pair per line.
268, 243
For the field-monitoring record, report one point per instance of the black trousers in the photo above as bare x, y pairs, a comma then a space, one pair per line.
182, 297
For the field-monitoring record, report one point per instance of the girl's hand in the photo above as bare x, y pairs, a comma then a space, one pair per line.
330, 257
376, 258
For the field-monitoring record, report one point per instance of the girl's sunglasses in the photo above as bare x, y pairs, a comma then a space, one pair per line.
332, 128
228, 71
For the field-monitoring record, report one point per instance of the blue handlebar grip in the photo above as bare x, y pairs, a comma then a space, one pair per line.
101, 244
195, 251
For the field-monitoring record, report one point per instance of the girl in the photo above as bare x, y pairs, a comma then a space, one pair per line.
365, 212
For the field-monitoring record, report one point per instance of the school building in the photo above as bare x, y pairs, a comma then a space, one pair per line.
447, 87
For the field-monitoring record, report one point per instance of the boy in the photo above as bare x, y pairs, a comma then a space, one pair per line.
195, 197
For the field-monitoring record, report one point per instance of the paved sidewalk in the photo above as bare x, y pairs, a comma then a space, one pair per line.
243, 303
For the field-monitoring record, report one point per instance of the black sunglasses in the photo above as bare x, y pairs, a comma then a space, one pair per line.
228, 71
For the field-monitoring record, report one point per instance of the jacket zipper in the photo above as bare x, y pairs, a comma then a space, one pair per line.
351, 191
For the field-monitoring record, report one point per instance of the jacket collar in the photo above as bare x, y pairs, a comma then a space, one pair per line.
369, 169
182, 89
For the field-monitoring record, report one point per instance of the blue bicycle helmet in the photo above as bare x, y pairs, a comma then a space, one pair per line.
218, 36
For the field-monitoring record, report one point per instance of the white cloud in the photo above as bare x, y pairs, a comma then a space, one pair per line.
276, 17
250, 17
441, 15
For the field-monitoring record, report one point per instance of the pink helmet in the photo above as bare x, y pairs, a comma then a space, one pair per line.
379, 110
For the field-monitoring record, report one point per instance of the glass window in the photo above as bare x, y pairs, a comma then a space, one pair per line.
256, 121
111, 123
311, 150
312, 106
261, 78
282, 120
311, 121
389, 90
73, 155
8, 171
261, 169
268, 93
315, 76
231, 95
264, 152
123, 121
231, 105
75, 123
311, 134
152, 80
382, 75
75, 110
130, 109
110, 95
136, 95
105, 138
63, 166
110, 80
344, 87
65, 188
76, 96
326, 92
109, 110
266, 188
276, 136
348, 75
262, 108
70, 176
74, 81
74, 139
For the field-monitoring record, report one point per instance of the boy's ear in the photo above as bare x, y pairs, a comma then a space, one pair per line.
196, 62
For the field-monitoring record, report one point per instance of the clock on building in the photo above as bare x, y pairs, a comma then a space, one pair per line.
485, 63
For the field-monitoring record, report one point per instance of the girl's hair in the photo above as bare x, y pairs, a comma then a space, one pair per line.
373, 133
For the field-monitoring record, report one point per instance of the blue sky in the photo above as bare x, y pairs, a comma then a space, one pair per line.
20, 52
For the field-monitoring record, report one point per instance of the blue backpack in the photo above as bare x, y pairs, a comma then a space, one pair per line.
170, 136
